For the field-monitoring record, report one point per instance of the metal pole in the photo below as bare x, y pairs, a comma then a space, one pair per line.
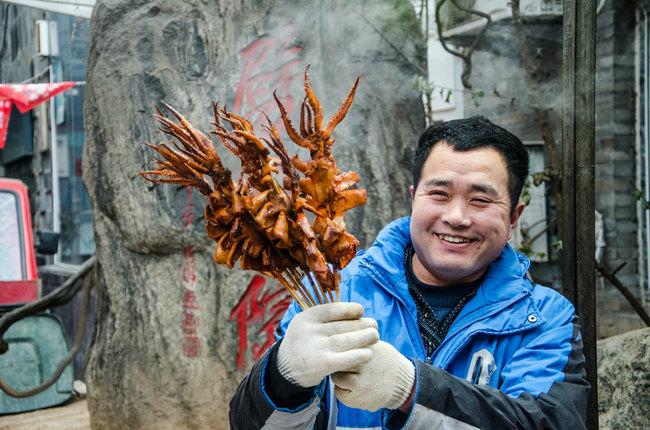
54, 156
646, 139
578, 156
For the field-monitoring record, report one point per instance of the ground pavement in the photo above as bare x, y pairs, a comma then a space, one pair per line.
73, 415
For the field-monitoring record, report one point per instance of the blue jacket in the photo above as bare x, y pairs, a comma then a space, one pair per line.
511, 359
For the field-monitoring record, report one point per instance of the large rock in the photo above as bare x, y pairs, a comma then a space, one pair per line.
175, 332
624, 381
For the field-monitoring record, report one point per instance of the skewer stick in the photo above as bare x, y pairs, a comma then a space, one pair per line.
331, 296
295, 277
328, 299
313, 286
289, 287
321, 291
304, 303
337, 276
317, 289
300, 288
296, 297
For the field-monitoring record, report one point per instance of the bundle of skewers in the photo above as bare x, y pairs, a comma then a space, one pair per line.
283, 216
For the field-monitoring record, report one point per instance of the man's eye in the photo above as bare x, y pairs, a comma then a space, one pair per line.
438, 194
481, 201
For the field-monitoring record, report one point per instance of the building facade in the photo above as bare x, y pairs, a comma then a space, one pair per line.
501, 91
44, 146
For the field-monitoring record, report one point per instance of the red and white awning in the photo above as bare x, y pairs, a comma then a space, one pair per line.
25, 97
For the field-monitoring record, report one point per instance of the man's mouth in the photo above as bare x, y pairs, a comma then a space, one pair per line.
454, 239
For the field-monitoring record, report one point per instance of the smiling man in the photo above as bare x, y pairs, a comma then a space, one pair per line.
454, 335
462, 213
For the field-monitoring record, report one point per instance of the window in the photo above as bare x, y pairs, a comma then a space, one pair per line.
76, 242
75, 211
19, 143
12, 266
531, 234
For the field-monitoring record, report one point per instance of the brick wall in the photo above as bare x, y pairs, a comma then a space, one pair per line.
616, 160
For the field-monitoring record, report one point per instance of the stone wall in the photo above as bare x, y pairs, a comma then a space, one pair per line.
624, 381
175, 332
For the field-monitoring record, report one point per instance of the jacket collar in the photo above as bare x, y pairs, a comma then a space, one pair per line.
504, 281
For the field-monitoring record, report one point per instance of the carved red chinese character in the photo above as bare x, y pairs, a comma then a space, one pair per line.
269, 64
268, 328
189, 300
188, 212
189, 323
256, 303
191, 346
189, 266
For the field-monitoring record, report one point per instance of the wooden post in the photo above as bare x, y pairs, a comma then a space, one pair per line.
577, 211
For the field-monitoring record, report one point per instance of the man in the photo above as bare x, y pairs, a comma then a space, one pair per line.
466, 340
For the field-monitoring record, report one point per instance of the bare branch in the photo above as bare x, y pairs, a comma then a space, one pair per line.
640, 196
613, 279
465, 54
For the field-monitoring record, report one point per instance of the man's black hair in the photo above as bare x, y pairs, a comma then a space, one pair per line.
474, 133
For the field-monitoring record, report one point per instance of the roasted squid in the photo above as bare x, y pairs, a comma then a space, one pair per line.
283, 216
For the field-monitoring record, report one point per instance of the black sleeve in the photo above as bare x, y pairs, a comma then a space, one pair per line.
266, 398
488, 408
443, 398
283, 392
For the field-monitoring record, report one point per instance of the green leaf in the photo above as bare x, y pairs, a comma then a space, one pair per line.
638, 195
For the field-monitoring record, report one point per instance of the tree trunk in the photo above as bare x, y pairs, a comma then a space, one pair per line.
175, 332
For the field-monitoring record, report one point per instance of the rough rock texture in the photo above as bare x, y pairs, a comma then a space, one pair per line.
167, 343
624, 381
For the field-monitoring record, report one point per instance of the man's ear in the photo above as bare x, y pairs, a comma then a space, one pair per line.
515, 216
411, 191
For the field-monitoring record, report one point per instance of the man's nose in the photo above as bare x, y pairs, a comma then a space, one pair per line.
457, 215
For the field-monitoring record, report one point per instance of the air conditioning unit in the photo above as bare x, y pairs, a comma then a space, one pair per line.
541, 7
455, 21
47, 38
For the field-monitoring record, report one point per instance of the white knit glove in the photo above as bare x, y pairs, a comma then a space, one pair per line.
385, 381
325, 339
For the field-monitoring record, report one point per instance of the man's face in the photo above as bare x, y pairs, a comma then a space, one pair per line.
460, 219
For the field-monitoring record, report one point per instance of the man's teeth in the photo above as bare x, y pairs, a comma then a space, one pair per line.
453, 239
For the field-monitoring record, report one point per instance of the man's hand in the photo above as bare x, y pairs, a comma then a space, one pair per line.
325, 339
386, 381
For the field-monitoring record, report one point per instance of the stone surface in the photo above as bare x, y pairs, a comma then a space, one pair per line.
624, 381
174, 331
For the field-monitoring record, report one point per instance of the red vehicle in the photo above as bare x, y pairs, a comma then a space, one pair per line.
37, 343
19, 282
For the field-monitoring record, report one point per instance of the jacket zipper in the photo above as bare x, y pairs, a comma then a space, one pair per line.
378, 280
429, 358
